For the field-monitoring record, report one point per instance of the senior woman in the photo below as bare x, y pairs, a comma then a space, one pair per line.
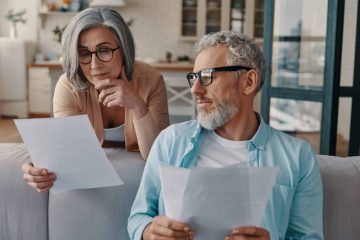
124, 99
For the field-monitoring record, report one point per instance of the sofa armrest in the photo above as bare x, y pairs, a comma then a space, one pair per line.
341, 184
99, 213
23, 211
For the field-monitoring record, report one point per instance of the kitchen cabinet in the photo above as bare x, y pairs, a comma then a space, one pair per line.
41, 84
39, 91
13, 97
199, 17
247, 16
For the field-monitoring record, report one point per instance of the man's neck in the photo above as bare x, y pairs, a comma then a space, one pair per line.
241, 127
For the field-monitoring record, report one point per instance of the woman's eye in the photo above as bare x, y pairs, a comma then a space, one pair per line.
84, 53
103, 50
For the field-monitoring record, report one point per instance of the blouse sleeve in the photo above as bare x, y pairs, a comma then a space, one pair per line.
148, 127
64, 101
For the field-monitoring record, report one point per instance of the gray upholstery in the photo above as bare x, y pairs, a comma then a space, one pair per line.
341, 183
23, 211
102, 213
97, 213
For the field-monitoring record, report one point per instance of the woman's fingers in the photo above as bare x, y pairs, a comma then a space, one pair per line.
39, 178
42, 187
32, 178
107, 91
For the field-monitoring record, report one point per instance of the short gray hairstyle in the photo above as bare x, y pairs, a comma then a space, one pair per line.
85, 20
243, 50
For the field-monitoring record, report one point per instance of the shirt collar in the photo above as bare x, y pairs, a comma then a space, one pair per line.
260, 138
197, 131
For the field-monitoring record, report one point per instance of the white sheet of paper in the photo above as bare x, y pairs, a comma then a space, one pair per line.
213, 201
68, 147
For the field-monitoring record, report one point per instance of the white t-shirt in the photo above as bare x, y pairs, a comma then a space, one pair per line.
115, 134
219, 152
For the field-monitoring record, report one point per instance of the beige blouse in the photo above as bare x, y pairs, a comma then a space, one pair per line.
139, 134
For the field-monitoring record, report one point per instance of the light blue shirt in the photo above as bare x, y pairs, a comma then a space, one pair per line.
294, 210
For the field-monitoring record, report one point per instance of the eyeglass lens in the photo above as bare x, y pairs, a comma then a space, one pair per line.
103, 54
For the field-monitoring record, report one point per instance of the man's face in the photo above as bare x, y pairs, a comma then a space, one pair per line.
218, 102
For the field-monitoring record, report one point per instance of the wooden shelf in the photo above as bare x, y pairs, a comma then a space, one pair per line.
44, 14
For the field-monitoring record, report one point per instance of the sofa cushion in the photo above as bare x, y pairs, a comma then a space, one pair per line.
341, 184
99, 213
23, 211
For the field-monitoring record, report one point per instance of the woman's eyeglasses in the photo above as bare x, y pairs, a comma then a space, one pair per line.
104, 54
205, 76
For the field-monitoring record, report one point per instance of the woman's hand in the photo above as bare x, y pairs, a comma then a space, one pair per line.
39, 178
117, 92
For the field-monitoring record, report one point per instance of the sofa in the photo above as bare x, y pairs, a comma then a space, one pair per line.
102, 213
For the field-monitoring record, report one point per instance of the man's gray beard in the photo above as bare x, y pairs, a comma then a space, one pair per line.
220, 115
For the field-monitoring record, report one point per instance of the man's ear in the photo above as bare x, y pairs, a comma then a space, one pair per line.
251, 82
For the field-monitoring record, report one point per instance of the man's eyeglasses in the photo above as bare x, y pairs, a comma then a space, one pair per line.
205, 76
104, 54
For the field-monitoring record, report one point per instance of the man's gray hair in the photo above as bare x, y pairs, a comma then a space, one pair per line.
85, 20
243, 50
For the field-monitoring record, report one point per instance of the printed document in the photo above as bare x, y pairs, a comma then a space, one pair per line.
214, 201
68, 147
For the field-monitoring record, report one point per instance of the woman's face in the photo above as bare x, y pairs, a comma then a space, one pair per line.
101, 40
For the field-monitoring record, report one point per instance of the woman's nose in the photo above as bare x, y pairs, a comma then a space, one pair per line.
94, 60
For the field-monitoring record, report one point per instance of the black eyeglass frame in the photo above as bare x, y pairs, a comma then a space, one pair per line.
210, 72
96, 54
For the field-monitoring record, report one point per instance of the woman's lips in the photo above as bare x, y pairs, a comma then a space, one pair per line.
98, 75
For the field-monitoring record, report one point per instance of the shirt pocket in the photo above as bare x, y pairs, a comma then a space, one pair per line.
282, 196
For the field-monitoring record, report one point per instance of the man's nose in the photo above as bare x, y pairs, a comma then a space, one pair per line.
197, 88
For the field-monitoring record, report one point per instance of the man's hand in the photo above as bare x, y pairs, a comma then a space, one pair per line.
38, 178
249, 233
164, 228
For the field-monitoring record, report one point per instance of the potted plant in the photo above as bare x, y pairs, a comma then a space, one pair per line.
14, 18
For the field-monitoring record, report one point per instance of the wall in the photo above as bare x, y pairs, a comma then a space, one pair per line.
25, 31
347, 65
155, 27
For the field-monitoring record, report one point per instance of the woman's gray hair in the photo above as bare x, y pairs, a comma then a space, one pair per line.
85, 20
243, 50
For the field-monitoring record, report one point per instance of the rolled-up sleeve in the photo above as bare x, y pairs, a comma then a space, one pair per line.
305, 220
145, 206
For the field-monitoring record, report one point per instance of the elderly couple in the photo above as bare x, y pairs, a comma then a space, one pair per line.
126, 102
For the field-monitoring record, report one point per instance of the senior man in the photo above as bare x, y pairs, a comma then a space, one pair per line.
228, 73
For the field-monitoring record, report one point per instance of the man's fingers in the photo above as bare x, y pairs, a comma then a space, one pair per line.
168, 232
169, 223
249, 233
243, 237
164, 228
252, 231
